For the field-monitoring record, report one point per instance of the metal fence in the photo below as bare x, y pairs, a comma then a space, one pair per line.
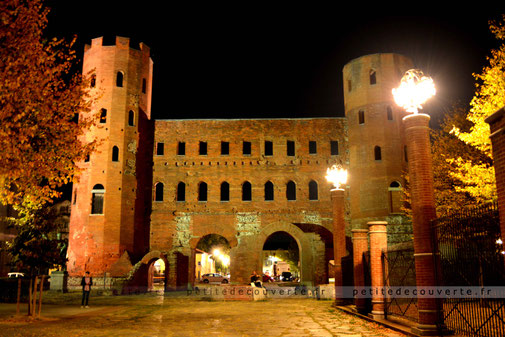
399, 271
470, 256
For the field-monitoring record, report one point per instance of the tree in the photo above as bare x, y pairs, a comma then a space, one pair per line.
478, 176
40, 141
450, 191
43, 105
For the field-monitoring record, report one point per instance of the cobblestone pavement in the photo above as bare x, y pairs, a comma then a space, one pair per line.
170, 315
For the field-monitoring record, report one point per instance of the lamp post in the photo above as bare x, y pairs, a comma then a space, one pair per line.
414, 90
338, 176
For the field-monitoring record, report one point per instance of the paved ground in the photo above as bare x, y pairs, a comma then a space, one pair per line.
178, 315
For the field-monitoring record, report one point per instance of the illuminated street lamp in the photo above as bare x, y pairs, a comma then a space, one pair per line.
414, 90
338, 177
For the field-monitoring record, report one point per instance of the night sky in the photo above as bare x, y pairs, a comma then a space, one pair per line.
225, 61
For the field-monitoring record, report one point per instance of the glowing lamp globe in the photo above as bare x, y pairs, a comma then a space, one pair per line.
414, 90
337, 176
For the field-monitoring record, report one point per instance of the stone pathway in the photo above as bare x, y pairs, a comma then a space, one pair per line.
172, 315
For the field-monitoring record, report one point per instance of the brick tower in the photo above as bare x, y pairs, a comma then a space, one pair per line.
377, 154
111, 203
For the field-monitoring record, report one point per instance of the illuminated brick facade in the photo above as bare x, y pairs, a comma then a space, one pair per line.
155, 188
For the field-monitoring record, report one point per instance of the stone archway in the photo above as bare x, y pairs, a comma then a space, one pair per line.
304, 246
145, 274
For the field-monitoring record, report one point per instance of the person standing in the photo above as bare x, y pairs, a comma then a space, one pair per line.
86, 283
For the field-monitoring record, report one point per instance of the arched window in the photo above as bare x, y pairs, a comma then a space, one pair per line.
97, 199
225, 191
131, 118
269, 191
158, 192
144, 85
103, 116
181, 191
361, 117
246, 191
377, 153
405, 153
395, 197
119, 79
389, 112
202, 191
291, 190
313, 195
93, 81
373, 77
115, 153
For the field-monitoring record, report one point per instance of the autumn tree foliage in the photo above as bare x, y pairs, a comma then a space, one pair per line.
39, 100
478, 175
451, 192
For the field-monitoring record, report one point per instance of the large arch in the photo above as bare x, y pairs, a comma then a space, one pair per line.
304, 245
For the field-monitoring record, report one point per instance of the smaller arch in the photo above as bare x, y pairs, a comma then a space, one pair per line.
115, 153
181, 191
97, 199
269, 191
202, 191
361, 117
377, 153
246, 191
158, 191
395, 184
291, 190
313, 190
103, 116
389, 113
131, 118
395, 197
119, 79
225, 191
373, 76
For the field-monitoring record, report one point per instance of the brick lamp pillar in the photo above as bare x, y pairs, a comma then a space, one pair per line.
359, 247
423, 211
378, 243
339, 251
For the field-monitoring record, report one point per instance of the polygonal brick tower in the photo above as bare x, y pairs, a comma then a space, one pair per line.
111, 202
377, 154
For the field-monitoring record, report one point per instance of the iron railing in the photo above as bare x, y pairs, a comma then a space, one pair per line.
469, 256
399, 271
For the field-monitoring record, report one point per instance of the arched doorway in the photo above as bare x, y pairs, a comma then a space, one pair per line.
212, 260
156, 279
281, 258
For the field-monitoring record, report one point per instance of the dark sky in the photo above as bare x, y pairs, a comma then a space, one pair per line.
262, 62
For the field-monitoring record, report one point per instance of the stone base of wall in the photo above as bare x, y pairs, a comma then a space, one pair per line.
103, 285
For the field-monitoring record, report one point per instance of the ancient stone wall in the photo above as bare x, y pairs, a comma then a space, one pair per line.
177, 225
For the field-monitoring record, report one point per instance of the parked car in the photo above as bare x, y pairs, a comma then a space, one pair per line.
286, 276
15, 275
213, 277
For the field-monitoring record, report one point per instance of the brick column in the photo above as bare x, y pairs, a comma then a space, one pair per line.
359, 247
378, 243
497, 126
423, 211
337, 198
